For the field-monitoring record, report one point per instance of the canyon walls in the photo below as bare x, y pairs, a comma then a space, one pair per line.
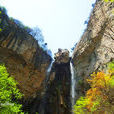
96, 47
23, 58
47, 90
45, 85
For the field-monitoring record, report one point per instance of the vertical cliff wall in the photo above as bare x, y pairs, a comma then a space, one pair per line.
96, 47
23, 57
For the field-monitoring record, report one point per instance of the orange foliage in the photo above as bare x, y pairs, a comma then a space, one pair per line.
99, 83
99, 98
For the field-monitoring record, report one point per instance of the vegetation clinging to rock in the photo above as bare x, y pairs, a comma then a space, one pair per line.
99, 98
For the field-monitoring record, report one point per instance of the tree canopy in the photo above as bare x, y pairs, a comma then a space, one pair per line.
99, 98
8, 92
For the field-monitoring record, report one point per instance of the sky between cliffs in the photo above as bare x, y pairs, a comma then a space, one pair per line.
61, 21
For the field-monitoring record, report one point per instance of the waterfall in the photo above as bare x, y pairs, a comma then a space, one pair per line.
48, 71
73, 84
44, 98
50, 66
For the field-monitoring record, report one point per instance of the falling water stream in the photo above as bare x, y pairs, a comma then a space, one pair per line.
44, 99
48, 71
50, 66
73, 83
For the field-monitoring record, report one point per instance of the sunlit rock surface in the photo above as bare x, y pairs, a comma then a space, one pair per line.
62, 56
23, 57
96, 47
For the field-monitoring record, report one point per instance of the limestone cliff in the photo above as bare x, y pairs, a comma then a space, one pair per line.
96, 47
23, 57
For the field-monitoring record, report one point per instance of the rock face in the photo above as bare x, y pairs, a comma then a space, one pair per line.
44, 91
23, 57
57, 95
96, 47
62, 56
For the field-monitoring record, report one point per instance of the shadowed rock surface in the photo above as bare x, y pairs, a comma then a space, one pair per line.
57, 96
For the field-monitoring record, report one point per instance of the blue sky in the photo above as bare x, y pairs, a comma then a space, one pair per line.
61, 21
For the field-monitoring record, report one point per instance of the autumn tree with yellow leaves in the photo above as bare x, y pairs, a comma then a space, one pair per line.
100, 97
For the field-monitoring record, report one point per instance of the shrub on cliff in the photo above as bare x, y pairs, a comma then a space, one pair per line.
3, 10
8, 91
99, 98
37, 34
3, 14
109, 0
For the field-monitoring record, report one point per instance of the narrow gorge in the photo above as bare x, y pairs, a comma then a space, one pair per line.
52, 86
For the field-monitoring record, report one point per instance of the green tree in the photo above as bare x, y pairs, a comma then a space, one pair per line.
8, 91
109, 0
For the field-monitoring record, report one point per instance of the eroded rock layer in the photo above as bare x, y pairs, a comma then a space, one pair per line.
96, 47
23, 57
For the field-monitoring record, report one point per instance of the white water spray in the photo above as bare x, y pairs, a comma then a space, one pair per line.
73, 84
50, 66
48, 71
